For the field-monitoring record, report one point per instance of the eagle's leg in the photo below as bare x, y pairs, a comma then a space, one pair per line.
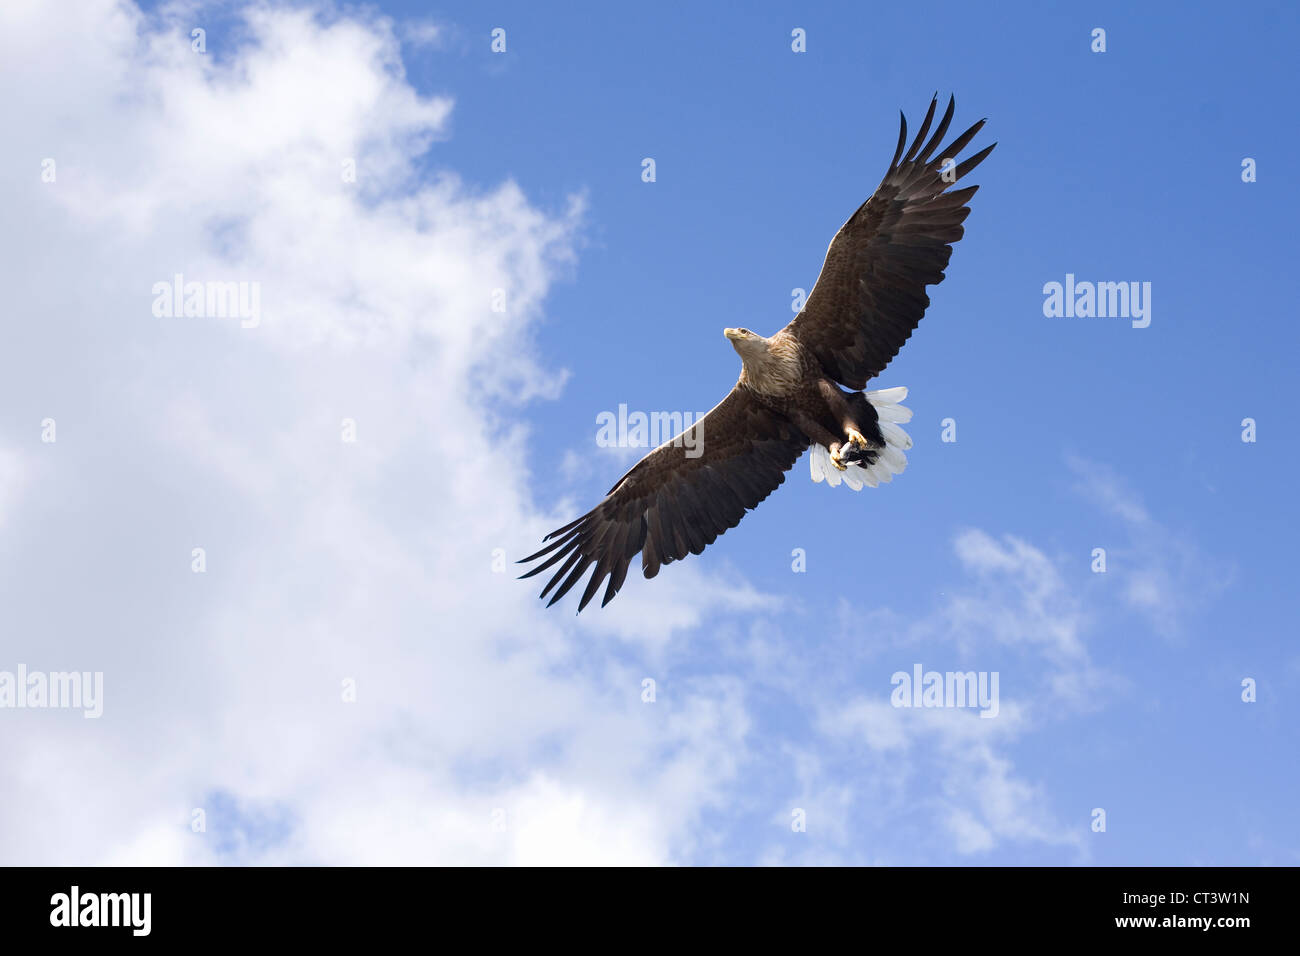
858, 423
819, 435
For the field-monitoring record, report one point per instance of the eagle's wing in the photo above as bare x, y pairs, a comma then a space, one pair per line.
871, 291
671, 504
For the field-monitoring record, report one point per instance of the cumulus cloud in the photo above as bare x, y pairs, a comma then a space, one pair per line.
350, 678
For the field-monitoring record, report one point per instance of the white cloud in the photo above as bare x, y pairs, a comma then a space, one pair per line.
1012, 612
979, 799
14, 478
1021, 600
326, 560
421, 33
1163, 574
1016, 608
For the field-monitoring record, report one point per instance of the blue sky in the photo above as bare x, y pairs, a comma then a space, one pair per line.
1119, 690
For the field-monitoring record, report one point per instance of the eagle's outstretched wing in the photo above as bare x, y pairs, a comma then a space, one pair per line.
671, 504
871, 291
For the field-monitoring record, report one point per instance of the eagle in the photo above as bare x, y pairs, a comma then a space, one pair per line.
869, 297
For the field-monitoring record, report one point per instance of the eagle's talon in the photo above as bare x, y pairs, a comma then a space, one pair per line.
835, 458
856, 438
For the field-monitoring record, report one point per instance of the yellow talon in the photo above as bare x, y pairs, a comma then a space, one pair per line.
857, 438
835, 460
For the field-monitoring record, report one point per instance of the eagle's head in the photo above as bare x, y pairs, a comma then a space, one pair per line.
749, 344
770, 365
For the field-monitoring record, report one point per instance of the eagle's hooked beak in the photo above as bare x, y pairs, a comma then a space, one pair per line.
732, 334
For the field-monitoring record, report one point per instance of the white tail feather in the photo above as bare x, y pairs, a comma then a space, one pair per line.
891, 460
887, 396
895, 435
817, 460
863, 476
893, 413
894, 458
832, 473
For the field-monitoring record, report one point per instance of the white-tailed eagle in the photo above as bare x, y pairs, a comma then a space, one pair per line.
868, 299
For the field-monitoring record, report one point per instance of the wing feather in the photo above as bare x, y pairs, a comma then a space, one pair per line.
670, 504
871, 294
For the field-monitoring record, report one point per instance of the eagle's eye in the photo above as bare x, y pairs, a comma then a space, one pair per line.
745, 332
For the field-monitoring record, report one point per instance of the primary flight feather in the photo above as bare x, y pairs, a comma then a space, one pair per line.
868, 299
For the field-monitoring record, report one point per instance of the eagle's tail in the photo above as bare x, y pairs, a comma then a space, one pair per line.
889, 460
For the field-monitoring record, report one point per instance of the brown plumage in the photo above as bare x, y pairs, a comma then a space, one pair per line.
868, 299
